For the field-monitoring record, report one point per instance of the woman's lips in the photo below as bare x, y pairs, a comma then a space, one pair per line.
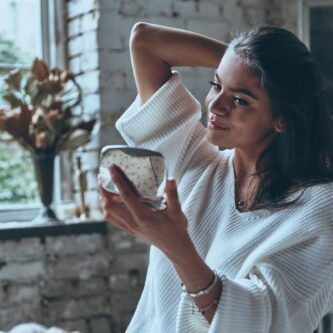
215, 126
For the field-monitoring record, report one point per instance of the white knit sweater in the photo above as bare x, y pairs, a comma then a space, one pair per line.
278, 265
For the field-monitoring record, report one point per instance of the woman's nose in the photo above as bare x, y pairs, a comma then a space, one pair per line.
219, 105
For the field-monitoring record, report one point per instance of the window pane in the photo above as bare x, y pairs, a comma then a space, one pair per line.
17, 182
20, 43
321, 32
20, 31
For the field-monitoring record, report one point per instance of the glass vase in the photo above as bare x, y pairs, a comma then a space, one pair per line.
44, 170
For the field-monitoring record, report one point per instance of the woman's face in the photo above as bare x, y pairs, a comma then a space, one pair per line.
239, 110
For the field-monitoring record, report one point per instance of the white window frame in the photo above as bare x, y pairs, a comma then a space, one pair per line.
54, 52
304, 7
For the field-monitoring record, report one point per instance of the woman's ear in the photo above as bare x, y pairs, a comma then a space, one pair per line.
279, 125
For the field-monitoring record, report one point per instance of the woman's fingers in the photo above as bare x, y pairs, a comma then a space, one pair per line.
172, 196
128, 192
109, 195
113, 206
118, 223
128, 181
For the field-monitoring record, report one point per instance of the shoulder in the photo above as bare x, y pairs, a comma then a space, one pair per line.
319, 196
315, 207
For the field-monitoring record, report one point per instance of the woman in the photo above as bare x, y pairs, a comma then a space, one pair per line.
246, 242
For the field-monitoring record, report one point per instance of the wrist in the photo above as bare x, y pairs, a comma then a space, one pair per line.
191, 268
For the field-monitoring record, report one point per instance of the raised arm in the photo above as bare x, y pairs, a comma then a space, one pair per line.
155, 49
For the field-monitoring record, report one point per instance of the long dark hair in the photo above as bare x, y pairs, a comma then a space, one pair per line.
303, 154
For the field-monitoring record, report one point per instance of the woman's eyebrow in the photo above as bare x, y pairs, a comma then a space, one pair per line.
239, 89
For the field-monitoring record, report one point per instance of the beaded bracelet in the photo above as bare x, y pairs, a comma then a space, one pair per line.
215, 301
204, 291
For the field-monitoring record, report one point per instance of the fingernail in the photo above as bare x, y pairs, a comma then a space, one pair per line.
171, 183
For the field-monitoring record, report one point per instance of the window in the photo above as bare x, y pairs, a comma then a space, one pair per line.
316, 30
28, 29
20, 43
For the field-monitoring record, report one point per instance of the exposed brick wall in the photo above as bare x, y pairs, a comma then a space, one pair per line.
80, 282
83, 61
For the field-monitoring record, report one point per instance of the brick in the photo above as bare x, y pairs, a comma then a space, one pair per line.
74, 27
233, 14
100, 325
125, 262
252, 3
187, 9
75, 64
63, 246
26, 249
71, 288
18, 294
110, 136
112, 60
75, 325
81, 267
145, 8
90, 21
82, 43
110, 6
78, 308
91, 104
216, 28
89, 61
78, 7
75, 45
24, 313
126, 283
140, 246
132, 8
25, 272
116, 35
123, 243
89, 81
89, 41
116, 101
252, 15
123, 307
158, 8
115, 79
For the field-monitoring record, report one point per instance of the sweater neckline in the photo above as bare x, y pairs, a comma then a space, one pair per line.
250, 214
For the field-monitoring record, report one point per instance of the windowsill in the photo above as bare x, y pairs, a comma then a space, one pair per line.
18, 212
18, 230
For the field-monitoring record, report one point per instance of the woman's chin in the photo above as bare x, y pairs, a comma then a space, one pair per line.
216, 140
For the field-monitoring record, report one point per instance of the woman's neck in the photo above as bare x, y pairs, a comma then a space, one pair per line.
245, 163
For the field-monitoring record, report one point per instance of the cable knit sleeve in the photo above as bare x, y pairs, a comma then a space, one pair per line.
168, 123
289, 289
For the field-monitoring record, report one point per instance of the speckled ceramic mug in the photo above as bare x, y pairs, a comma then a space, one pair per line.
145, 168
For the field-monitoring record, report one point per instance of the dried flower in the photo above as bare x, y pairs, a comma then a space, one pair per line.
38, 114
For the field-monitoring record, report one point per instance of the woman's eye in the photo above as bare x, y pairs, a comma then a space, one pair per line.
216, 86
240, 101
